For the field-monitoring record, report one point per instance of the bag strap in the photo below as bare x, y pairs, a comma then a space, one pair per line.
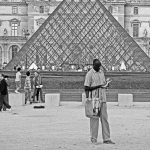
90, 93
98, 92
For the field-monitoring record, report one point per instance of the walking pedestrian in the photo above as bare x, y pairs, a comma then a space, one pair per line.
27, 88
18, 80
4, 92
7, 96
95, 83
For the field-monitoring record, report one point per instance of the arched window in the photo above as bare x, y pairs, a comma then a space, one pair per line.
135, 29
41, 9
14, 50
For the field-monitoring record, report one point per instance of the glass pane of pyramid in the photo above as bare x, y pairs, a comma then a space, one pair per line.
76, 33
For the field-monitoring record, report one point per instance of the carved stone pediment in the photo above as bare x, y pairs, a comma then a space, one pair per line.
135, 21
14, 20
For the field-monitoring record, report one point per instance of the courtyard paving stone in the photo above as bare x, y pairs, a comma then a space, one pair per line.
66, 128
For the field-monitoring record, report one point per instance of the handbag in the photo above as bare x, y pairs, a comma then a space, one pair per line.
93, 107
39, 86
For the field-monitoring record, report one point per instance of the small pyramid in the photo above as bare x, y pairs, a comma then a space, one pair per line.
122, 67
77, 32
33, 66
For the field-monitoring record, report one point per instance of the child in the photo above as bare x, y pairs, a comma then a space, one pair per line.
27, 87
18, 80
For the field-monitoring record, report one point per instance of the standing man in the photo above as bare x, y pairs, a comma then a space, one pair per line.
37, 83
18, 80
95, 82
27, 88
4, 93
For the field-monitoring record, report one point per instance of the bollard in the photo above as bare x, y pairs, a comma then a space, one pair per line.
17, 99
52, 99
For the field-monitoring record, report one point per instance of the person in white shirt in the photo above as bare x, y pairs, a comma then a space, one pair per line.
18, 80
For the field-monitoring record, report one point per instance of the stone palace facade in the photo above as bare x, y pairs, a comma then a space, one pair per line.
19, 19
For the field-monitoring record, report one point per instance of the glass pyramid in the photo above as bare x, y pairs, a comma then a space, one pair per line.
77, 32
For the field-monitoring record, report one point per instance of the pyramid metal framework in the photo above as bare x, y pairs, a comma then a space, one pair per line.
77, 32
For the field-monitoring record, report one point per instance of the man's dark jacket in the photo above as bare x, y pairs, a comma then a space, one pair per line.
3, 87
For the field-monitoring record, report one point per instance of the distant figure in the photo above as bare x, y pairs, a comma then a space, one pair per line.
18, 80
15, 68
37, 82
4, 92
145, 33
27, 87
7, 96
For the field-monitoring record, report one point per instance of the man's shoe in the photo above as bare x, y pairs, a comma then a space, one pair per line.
109, 142
94, 141
17, 92
10, 109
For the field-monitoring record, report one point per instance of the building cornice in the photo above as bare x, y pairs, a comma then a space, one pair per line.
25, 15
13, 3
44, 3
141, 38
136, 16
12, 38
113, 4
38, 14
138, 4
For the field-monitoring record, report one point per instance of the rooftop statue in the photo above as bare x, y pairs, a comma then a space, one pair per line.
145, 33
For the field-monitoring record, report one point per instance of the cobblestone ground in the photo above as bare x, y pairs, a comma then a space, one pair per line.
66, 128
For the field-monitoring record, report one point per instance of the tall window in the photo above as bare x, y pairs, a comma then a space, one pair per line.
14, 50
14, 9
14, 28
41, 9
136, 11
135, 30
110, 9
